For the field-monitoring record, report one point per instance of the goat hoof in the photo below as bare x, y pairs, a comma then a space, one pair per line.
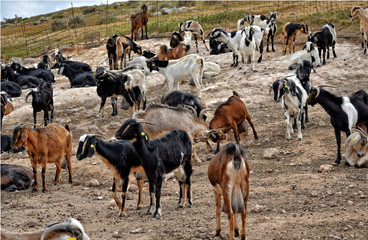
139, 207
254, 70
34, 190
218, 233
300, 138
236, 231
157, 215
44, 190
180, 206
347, 163
243, 237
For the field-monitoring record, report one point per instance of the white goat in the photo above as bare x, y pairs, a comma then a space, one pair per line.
248, 45
188, 67
211, 69
310, 54
136, 79
139, 62
356, 149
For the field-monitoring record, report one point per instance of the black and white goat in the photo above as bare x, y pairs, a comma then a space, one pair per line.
293, 99
345, 112
46, 75
171, 153
252, 37
186, 68
325, 38
245, 21
218, 47
42, 100
24, 81
309, 54
77, 78
196, 29
268, 24
120, 157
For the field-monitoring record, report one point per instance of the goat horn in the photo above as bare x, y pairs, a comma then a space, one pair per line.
203, 111
63, 226
191, 108
362, 131
143, 121
326, 85
95, 135
111, 139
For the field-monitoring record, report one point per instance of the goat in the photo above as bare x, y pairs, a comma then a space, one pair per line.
268, 24
45, 63
124, 46
24, 81
309, 54
45, 145
228, 173
136, 87
70, 229
345, 112
289, 32
189, 66
6, 107
15, 177
211, 69
243, 22
166, 118
196, 29
138, 21
42, 100
229, 115
12, 89
46, 75
218, 47
159, 156
293, 97
111, 52
112, 85
252, 36
78, 66
324, 38
362, 14
356, 146
120, 157
179, 51
6, 144
140, 63
77, 78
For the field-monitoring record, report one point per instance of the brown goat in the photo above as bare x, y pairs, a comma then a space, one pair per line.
139, 20
229, 115
122, 49
45, 145
15, 177
289, 32
228, 173
177, 52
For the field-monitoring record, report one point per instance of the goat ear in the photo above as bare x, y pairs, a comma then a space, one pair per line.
24, 136
354, 140
315, 39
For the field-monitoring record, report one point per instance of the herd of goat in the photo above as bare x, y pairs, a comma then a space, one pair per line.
161, 144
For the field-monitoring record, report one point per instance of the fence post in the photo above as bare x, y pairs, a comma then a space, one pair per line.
158, 27
25, 36
107, 5
48, 39
67, 24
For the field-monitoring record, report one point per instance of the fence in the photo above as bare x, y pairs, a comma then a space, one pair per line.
96, 23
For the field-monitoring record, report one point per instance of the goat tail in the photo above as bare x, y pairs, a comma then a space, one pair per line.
187, 48
67, 127
236, 94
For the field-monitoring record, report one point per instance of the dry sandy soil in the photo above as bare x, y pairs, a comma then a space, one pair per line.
289, 198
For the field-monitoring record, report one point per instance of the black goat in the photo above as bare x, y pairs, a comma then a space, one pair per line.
6, 145
302, 73
42, 100
133, 47
46, 75
14, 177
177, 97
111, 85
120, 157
218, 47
77, 78
345, 112
172, 152
325, 38
111, 52
11, 88
24, 81
148, 54
78, 66
45, 63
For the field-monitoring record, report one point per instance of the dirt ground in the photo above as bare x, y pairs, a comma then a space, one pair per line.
289, 198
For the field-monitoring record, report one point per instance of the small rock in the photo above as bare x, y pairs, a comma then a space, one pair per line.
363, 196
117, 234
133, 187
338, 193
314, 194
93, 128
202, 229
138, 230
15, 59
94, 183
31, 224
79, 217
350, 202
351, 186
76, 182
166, 11
14, 204
97, 193
293, 186
270, 153
268, 170
112, 202
100, 197
129, 196
113, 125
325, 168
282, 211
27, 61
257, 208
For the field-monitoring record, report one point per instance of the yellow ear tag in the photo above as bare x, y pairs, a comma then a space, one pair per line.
92, 146
72, 238
143, 133
307, 97
354, 139
286, 86
94, 73
302, 29
153, 64
220, 131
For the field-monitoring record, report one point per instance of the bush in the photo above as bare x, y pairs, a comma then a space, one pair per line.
110, 19
57, 16
183, 3
57, 25
89, 10
76, 22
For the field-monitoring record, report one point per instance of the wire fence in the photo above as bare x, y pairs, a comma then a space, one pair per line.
94, 24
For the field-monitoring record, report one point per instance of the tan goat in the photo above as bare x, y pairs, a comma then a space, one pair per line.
45, 145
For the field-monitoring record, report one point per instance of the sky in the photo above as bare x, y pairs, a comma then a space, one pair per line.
28, 8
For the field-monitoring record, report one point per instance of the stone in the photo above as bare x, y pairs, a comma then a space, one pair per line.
138, 230
270, 153
129, 196
133, 187
76, 182
117, 234
28, 61
166, 11
113, 125
257, 208
14, 204
314, 194
94, 183
325, 168
15, 59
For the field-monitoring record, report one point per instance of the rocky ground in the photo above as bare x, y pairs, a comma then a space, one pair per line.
289, 197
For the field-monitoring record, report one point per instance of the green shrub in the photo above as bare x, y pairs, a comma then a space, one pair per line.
89, 10
57, 16
110, 19
57, 25
77, 22
182, 3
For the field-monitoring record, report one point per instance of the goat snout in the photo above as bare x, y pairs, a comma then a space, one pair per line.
360, 154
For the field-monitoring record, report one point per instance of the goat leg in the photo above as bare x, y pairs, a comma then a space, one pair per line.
236, 228
35, 184
338, 141
157, 213
152, 195
114, 106
272, 37
140, 199
261, 51
218, 212
34, 118
195, 38
123, 197
268, 41
117, 201
189, 192
57, 174
51, 108
333, 49
142, 32
103, 101
44, 186
181, 192
46, 116
218, 147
